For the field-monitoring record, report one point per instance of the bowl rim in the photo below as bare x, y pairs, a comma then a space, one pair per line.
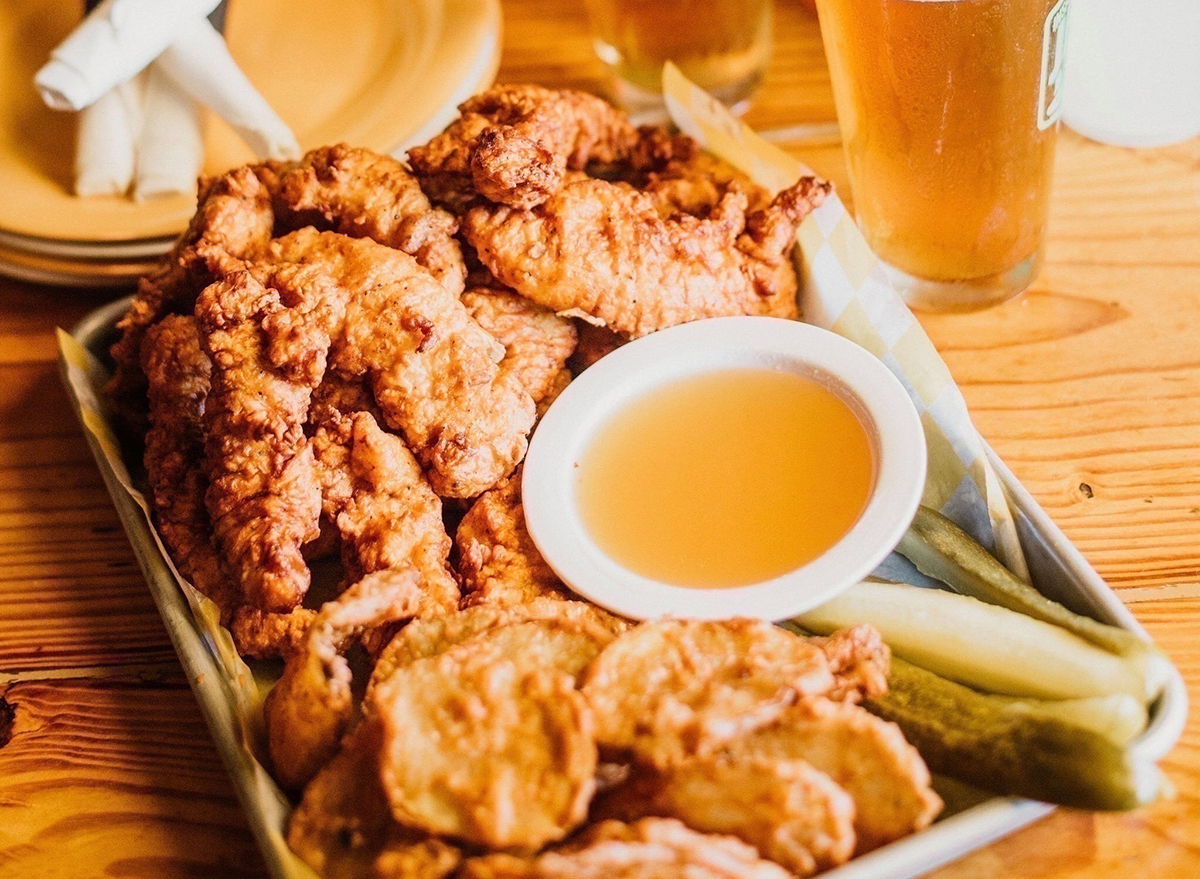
880, 400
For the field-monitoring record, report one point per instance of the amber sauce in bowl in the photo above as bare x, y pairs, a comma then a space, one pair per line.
738, 466
726, 478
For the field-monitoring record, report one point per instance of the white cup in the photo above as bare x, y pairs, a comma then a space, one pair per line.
1133, 71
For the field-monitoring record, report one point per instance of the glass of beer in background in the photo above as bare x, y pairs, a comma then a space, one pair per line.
949, 111
721, 45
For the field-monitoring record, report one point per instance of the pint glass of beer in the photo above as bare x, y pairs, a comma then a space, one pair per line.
721, 45
949, 111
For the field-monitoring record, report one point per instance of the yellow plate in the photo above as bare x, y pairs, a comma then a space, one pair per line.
43, 269
377, 73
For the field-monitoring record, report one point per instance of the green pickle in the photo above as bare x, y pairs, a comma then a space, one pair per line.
1019, 747
940, 549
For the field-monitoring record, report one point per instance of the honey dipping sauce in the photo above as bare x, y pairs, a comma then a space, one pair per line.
725, 479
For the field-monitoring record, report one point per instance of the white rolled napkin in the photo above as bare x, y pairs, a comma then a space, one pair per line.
170, 149
115, 42
106, 146
200, 64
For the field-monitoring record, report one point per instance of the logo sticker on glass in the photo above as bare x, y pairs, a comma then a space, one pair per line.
1054, 38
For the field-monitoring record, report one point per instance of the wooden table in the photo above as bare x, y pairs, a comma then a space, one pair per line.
1088, 386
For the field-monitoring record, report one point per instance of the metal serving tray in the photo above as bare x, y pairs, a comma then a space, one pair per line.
1052, 560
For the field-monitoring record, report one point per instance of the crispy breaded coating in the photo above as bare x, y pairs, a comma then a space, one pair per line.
375, 492
513, 143
868, 757
233, 212
485, 749
568, 645
652, 848
602, 250
537, 342
343, 829
682, 178
434, 371
364, 194
433, 635
671, 689
260, 634
178, 373
268, 346
571, 634
310, 707
790, 812
859, 661
338, 395
497, 559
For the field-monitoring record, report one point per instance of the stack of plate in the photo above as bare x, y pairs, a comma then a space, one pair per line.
383, 74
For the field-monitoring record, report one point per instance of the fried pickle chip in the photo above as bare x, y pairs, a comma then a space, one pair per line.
671, 689
868, 757
343, 830
653, 848
430, 636
312, 705
480, 749
790, 812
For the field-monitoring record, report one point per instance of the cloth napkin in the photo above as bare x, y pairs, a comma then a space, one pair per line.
138, 72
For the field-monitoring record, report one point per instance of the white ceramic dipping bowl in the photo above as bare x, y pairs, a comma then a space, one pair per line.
562, 438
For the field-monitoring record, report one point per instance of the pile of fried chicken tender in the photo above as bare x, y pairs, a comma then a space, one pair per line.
347, 354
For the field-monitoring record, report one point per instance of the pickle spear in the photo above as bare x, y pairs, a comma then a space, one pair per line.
1014, 747
984, 646
940, 549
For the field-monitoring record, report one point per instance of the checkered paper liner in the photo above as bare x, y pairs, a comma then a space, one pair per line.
844, 289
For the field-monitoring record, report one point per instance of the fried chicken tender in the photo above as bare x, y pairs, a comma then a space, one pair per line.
310, 707
602, 251
234, 212
497, 559
672, 689
375, 492
178, 373
364, 194
866, 756
652, 848
343, 829
259, 634
268, 347
513, 143
537, 342
486, 750
435, 373
790, 812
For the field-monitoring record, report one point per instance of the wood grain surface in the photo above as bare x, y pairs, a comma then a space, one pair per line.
1088, 386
